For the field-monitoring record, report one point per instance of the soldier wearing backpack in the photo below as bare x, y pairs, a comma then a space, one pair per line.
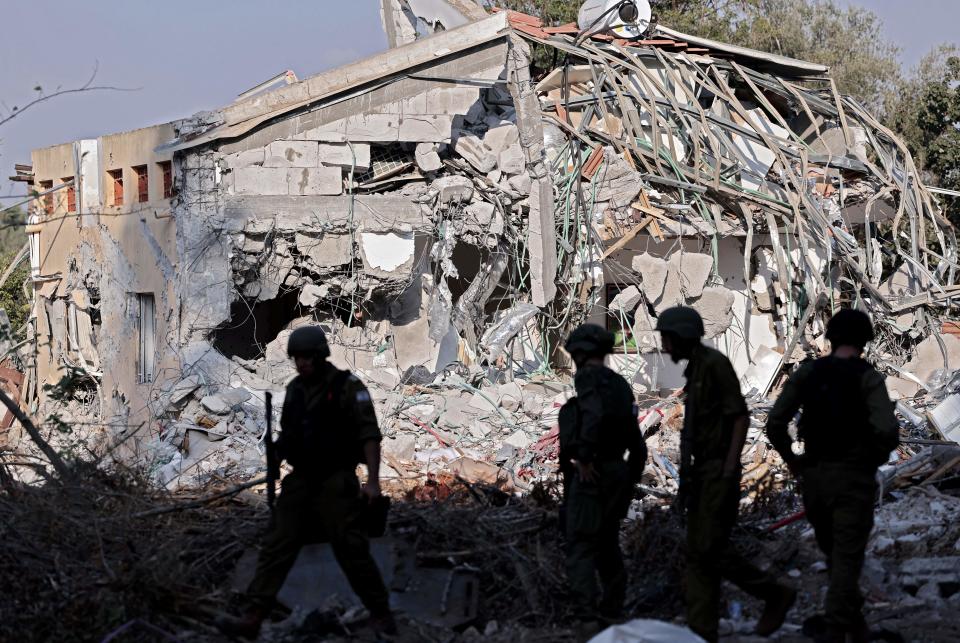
848, 428
329, 426
596, 428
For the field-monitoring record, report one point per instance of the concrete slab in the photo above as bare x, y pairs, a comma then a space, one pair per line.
315, 181
266, 181
291, 154
425, 128
246, 158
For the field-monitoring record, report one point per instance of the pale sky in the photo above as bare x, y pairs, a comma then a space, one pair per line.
193, 55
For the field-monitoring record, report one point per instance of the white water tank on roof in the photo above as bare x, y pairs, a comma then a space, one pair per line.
625, 18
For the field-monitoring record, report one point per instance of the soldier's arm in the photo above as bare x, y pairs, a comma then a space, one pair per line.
367, 431
783, 411
734, 409
883, 421
288, 414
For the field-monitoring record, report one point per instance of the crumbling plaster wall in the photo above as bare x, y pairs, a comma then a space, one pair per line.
102, 263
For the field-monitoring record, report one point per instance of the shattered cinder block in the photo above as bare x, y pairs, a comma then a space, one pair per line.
512, 160
617, 182
315, 181
453, 188
716, 307
356, 155
427, 157
475, 152
292, 154
653, 271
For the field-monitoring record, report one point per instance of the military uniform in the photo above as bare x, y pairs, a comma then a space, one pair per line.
325, 422
606, 427
848, 428
713, 404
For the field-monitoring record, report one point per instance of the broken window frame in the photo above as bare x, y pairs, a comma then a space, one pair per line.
143, 183
166, 174
116, 185
71, 194
47, 199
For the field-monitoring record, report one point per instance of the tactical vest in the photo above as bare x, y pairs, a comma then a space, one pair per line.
323, 441
835, 424
619, 435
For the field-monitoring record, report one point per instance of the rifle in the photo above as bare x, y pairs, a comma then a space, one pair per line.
273, 464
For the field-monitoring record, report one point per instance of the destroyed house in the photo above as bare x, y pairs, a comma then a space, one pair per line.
448, 213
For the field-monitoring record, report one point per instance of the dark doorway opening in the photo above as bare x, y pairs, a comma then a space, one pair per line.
253, 324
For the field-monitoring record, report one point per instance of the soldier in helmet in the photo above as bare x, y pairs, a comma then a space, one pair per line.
596, 428
848, 428
328, 427
715, 427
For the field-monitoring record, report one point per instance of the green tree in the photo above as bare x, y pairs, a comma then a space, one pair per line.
926, 113
12, 298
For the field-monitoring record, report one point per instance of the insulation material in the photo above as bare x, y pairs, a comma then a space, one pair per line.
387, 251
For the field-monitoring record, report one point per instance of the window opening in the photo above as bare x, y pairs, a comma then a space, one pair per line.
146, 323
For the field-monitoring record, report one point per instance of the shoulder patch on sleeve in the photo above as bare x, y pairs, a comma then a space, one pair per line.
362, 396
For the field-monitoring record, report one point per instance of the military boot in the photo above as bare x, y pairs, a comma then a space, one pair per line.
246, 626
775, 610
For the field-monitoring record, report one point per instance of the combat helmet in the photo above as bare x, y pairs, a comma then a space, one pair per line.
308, 340
682, 321
851, 327
590, 339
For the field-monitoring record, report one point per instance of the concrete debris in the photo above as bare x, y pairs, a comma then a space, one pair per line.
453, 189
626, 300
428, 158
716, 307
653, 273
475, 152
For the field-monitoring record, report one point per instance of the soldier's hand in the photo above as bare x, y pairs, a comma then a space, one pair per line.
371, 489
586, 472
679, 505
796, 470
